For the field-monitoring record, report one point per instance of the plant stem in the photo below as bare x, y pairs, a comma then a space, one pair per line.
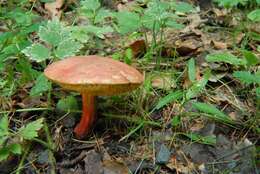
50, 144
20, 166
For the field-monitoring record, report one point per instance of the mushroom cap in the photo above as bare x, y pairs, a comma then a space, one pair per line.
94, 74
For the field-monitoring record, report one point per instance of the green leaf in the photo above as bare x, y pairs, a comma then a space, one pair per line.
67, 48
47, 1
226, 58
41, 85
15, 148
101, 15
3, 129
176, 120
54, 32
128, 56
198, 86
156, 15
192, 70
30, 131
79, 34
246, 77
4, 126
37, 52
98, 31
67, 104
210, 140
251, 58
128, 21
213, 112
90, 4
174, 24
184, 7
168, 99
4, 153
230, 3
254, 15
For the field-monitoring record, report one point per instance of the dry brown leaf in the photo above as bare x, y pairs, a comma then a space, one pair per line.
54, 8
219, 45
195, 21
114, 167
138, 48
163, 82
220, 12
187, 47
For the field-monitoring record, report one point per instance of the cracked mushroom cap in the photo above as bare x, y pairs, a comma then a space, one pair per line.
94, 74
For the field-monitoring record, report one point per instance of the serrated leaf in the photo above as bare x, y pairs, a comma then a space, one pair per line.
156, 14
67, 48
128, 21
98, 31
37, 52
79, 34
226, 58
168, 99
30, 130
54, 32
254, 15
213, 112
198, 86
251, 58
101, 15
247, 77
192, 70
41, 85
15, 148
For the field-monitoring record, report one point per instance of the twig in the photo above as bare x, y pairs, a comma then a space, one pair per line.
134, 120
27, 110
69, 163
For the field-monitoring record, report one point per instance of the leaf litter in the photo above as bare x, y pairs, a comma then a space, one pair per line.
180, 149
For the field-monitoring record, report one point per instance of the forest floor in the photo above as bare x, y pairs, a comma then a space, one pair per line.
148, 130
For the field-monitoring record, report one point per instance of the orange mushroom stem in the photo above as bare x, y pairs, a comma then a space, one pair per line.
88, 116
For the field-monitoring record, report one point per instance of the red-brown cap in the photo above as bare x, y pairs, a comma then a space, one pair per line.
94, 74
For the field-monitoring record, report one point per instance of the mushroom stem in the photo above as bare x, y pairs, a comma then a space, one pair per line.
88, 115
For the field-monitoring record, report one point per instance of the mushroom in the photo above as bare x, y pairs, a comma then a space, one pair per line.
92, 76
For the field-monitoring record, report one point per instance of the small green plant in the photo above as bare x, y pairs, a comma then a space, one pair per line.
13, 142
153, 20
235, 3
56, 43
96, 22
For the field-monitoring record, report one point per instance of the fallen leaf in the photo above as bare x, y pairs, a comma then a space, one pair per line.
138, 48
114, 167
54, 8
187, 47
163, 82
219, 45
